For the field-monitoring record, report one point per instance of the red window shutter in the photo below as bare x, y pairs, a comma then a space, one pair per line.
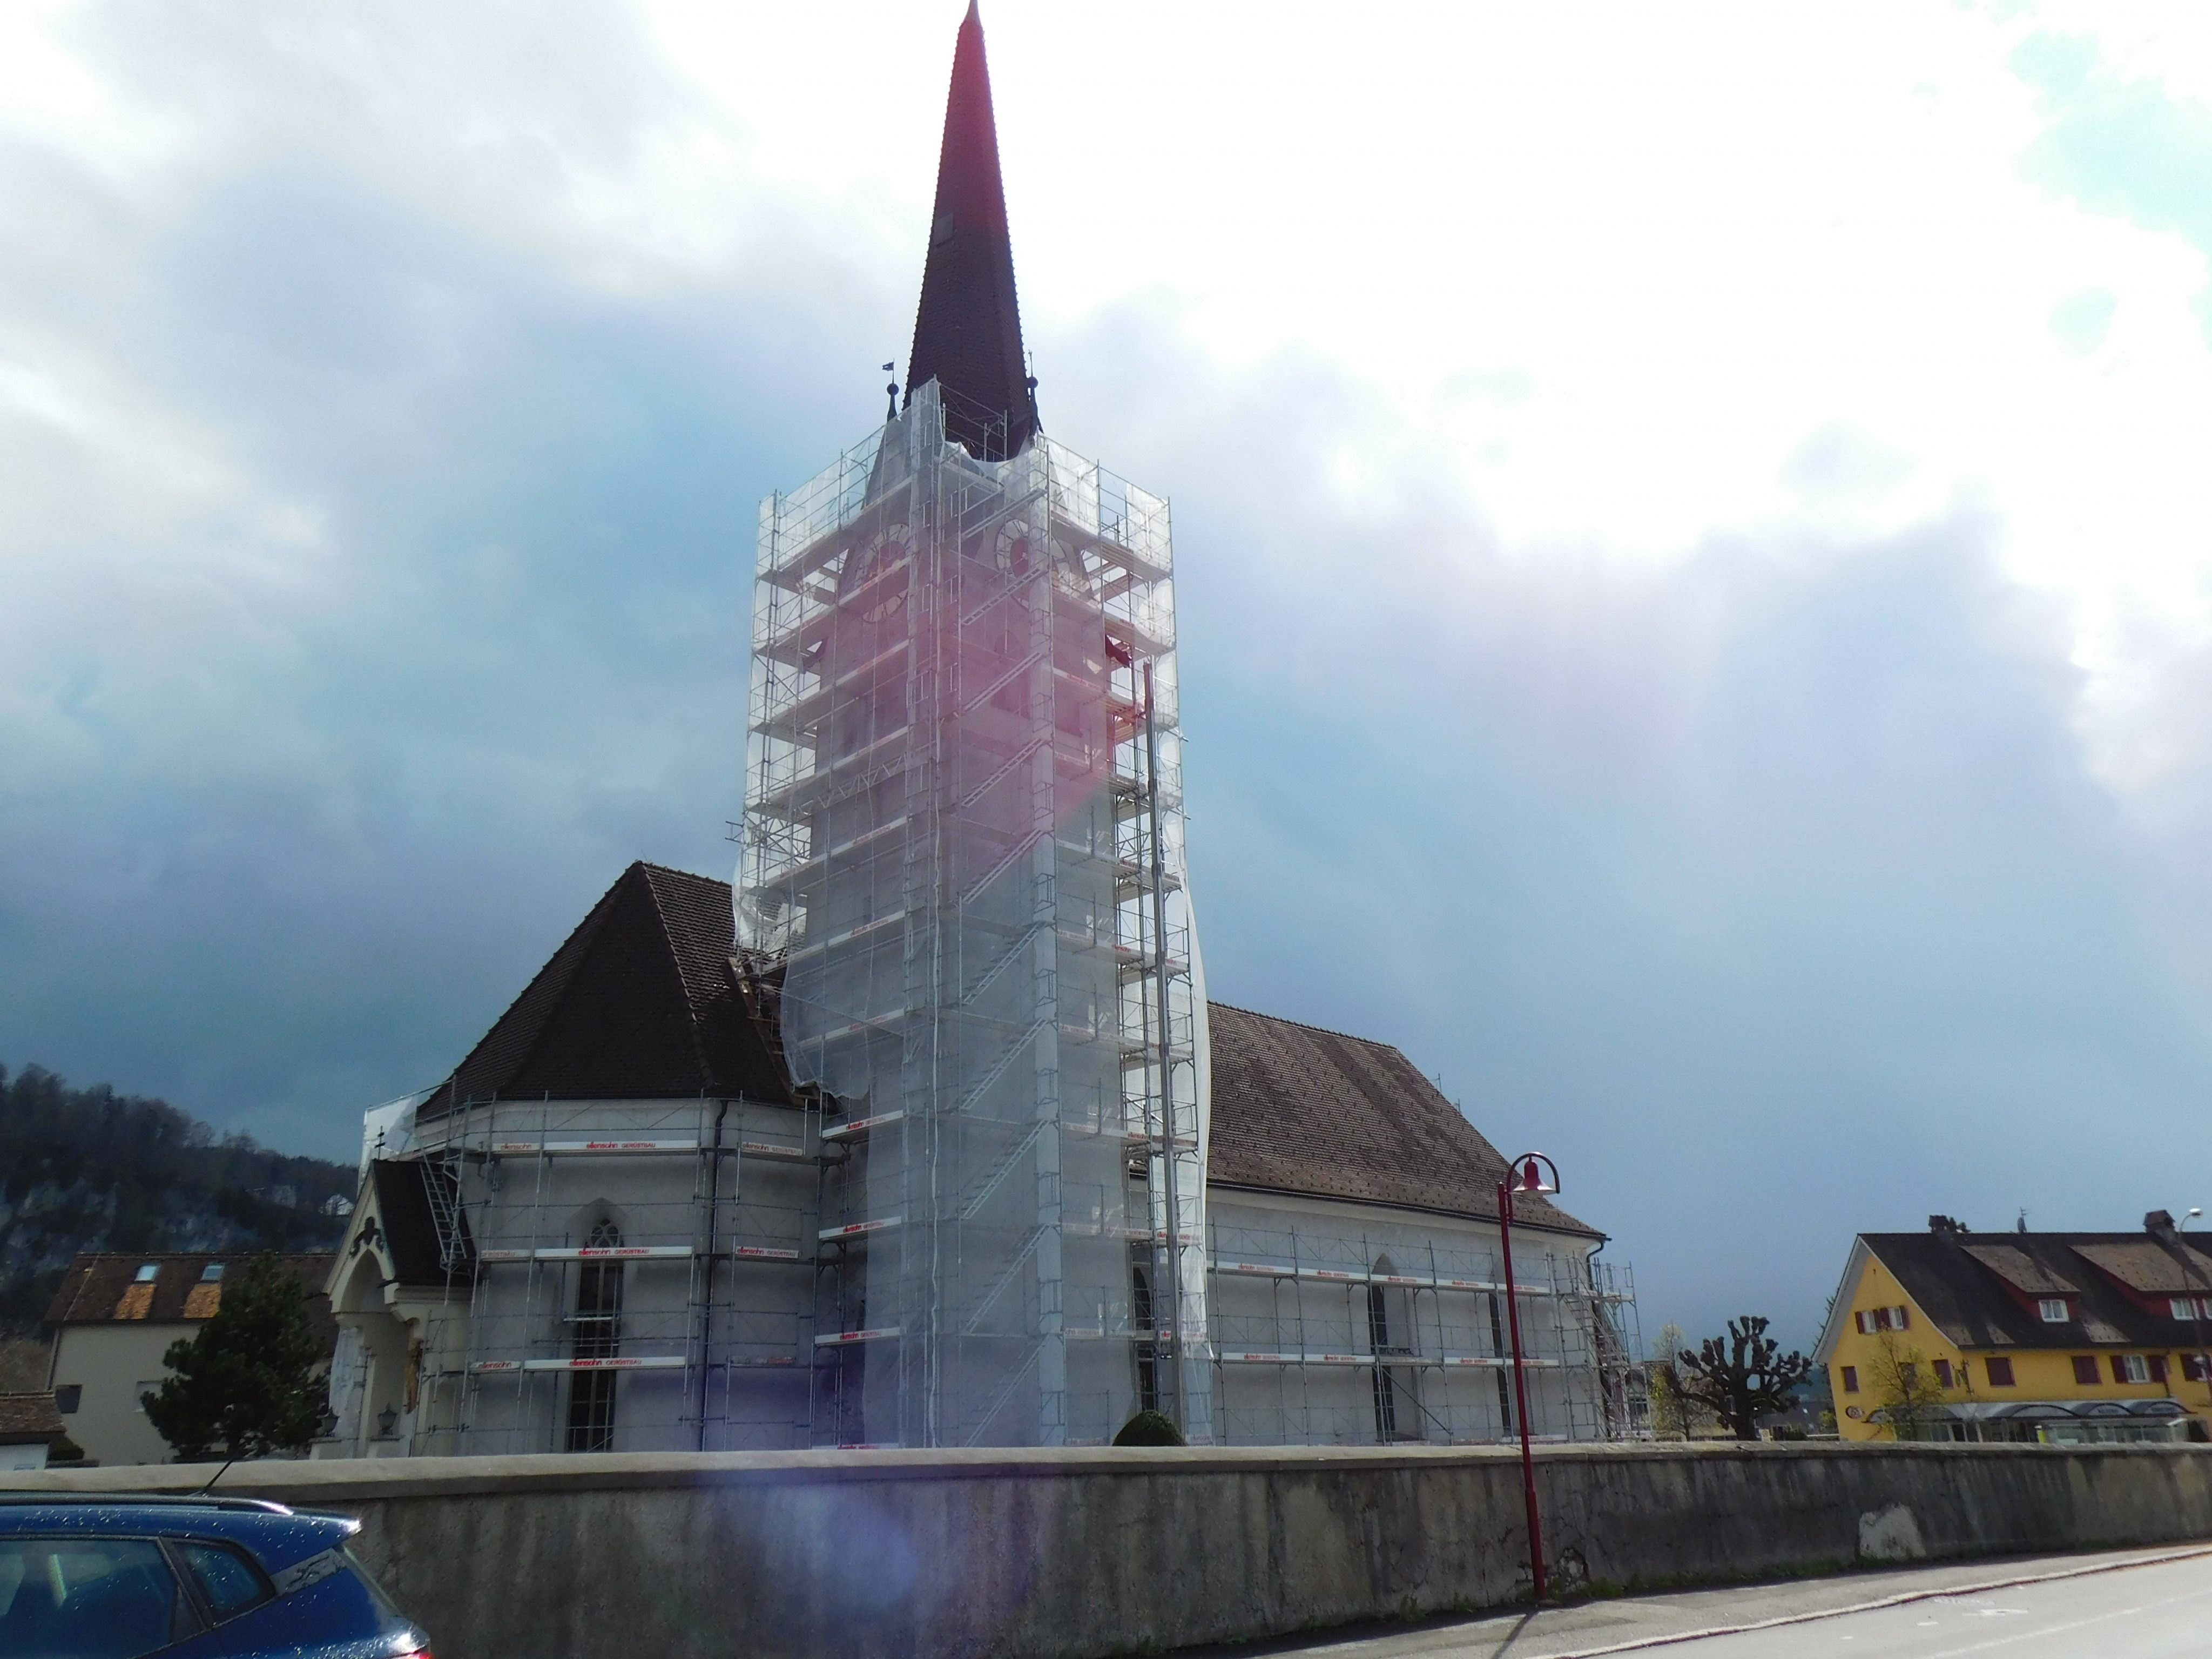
1904, 1319
2000, 1373
2119, 1368
1860, 1317
2085, 1370
1943, 1372
1850, 1379
2158, 1368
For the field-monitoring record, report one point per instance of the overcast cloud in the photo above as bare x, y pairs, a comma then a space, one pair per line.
1776, 786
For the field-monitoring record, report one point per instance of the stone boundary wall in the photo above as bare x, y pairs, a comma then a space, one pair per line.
1067, 1554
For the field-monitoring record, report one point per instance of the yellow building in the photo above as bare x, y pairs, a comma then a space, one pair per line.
1951, 1334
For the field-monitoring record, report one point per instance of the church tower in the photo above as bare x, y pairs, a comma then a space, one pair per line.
961, 883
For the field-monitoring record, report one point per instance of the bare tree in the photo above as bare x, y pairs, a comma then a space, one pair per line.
1744, 1376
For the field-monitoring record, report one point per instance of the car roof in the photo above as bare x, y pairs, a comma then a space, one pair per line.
278, 1537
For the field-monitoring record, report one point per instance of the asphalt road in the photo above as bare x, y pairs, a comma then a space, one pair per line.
2144, 1613
2142, 1604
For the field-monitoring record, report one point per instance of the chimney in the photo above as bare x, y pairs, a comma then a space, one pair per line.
1944, 1227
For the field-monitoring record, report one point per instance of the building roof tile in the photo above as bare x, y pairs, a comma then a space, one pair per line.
1954, 1281
99, 1289
27, 1419
967, 328
1300, 1109
640, 1002
2020, 1270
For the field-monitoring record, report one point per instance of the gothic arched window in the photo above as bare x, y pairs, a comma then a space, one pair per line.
595, 1333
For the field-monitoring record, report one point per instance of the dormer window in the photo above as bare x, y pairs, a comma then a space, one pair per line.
148, 1274
212, 1273
2192, 1307
2053, 1309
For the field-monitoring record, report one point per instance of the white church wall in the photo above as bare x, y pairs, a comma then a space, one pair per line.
1312, 1300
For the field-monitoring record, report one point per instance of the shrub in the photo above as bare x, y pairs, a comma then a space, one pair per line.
1150, 1428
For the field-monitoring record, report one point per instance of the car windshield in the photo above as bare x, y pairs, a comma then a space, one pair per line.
87, 1598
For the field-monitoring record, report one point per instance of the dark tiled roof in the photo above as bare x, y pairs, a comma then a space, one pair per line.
410, 1225
2020, 1270
1298, 1109
2146, 1266
100, 1288
639, 1003
967, 328
27, 1419
1961, 1284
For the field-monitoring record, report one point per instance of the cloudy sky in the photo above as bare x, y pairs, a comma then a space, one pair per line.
1696, 592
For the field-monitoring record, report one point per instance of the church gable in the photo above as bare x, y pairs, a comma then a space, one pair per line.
639, 1003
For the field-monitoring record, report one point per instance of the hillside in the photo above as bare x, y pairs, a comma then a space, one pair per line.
91, 1169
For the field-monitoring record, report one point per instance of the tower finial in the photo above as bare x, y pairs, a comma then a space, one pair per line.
968, 331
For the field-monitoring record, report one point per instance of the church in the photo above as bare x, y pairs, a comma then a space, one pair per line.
924, 1131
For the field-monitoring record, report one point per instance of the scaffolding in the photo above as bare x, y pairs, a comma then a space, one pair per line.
962, 864
591, 1302
664, 1247
1326, 1337
963, 915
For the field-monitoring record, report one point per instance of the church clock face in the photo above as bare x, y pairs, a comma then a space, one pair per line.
882, 550
1013, 548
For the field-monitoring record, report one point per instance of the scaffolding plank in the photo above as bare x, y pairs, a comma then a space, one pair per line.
769, 1148
860, 1126
570, 1148
859, 1229
1343, 1276
590, 1253
844, 1338
664, 1362
775, 1152
1247, 1357
1260, 1359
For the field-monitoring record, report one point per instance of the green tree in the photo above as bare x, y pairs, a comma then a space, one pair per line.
1675, 1415
1909, 1397
245, 1385
1744, 1376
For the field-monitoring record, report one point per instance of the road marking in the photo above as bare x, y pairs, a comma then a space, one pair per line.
2037, 1635
1903, 1600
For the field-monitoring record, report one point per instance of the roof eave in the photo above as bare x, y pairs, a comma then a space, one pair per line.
1577, 1230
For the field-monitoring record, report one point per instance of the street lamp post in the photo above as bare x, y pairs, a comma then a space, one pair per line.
2195, 1309
1525, 1174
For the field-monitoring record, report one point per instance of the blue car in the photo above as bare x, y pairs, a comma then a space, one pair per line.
117, 1577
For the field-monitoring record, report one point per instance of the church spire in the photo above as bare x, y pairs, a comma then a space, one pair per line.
967, 334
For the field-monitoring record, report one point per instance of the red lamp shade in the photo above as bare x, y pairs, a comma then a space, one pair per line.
1532, 1177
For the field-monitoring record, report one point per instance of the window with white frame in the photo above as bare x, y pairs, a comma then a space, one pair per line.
1872, 1320
2192, 1307
2053, 1309
2132, 1366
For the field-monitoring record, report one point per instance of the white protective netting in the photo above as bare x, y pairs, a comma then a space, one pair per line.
953, 781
